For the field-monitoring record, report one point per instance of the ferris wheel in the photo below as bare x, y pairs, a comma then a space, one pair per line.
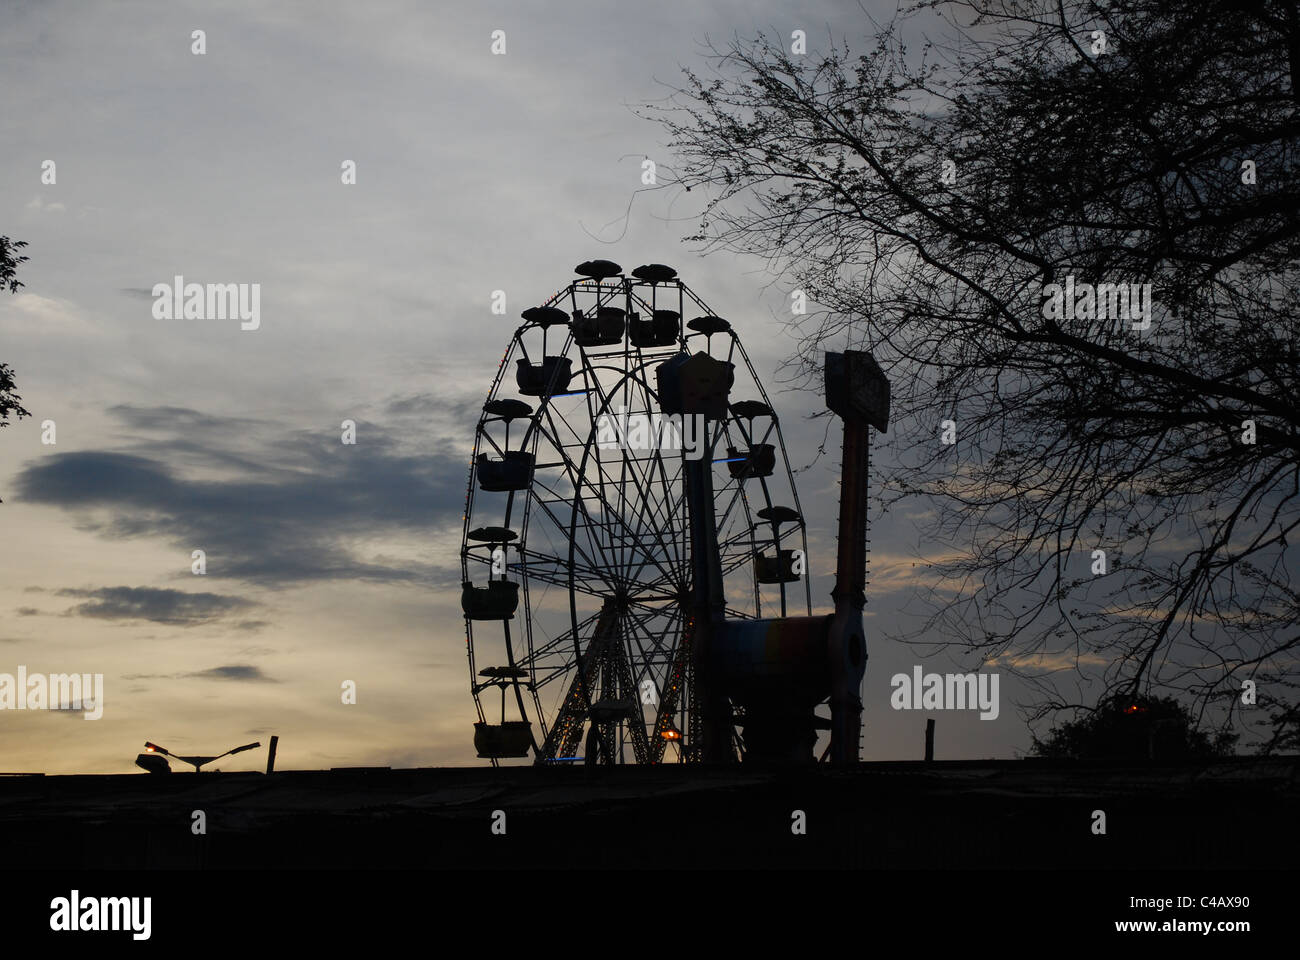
625, 437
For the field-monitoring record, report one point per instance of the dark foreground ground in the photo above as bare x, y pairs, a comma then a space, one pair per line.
1239, 814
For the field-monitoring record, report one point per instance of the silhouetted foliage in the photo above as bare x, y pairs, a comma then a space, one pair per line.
1127, 166
10, 402
1134, 728
1283, 722
9, 261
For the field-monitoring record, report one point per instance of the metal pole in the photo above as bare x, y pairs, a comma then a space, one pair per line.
707, 608
270, 757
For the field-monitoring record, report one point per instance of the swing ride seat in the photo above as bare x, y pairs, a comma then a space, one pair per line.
658, 330
499, 741
544, 379
760, 461
513, 472
497, 601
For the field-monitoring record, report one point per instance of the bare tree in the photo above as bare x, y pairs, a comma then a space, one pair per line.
972, 212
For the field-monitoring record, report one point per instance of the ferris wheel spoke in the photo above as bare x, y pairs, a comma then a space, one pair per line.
674, 543
642, 404
737, 490
667, 517
657, 549
563, 642
574, 474
666, 531
632, 541
553, 571
597, 565
741, 537
548, 566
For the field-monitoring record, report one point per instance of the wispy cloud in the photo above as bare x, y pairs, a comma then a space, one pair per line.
236, 671
161, 605
232, 671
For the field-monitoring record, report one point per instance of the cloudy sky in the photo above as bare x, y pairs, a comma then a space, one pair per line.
474, 172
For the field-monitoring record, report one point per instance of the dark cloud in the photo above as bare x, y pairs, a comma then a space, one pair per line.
458, 410
161, 605
421, 403
290, 515
177, 419
27, 612
235, 671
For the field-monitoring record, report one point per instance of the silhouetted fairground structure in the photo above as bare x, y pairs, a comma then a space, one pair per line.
634, 520
635, 582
